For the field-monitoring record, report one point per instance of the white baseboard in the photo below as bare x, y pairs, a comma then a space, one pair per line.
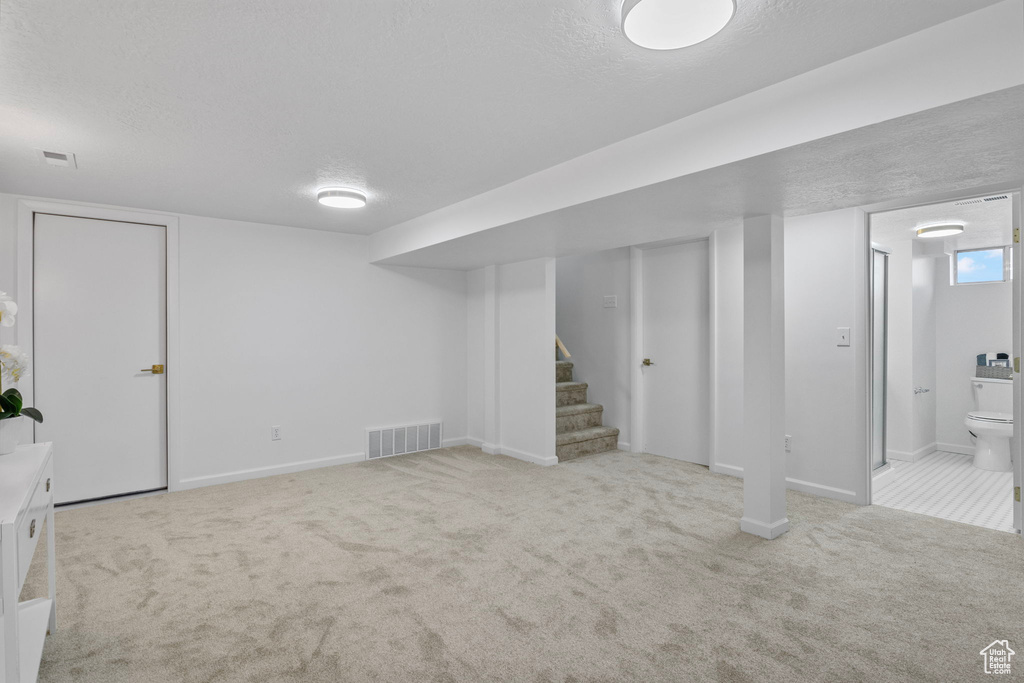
881, 479
763, 529
461, 441
490, 448
904, 456
269, 471
795, 484
473, 441
625, 446
545, 460
731, 470
954, 448
821, 490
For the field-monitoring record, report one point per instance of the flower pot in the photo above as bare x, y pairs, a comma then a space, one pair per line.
9, 431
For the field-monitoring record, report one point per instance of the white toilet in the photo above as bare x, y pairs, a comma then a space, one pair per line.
992, 422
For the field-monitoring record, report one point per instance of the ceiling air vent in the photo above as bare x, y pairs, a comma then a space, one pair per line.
981, 200
59, 158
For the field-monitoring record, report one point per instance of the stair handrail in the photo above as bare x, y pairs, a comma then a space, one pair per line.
559, 346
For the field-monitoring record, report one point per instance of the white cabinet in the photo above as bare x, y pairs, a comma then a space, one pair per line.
26, 501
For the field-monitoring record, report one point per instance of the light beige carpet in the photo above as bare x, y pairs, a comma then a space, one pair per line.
459, 566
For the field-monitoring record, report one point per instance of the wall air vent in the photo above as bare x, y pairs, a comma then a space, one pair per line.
981, 200
387, 441
62, 159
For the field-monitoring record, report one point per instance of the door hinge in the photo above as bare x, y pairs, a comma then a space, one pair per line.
1016, 365
1016, 235
1016, 493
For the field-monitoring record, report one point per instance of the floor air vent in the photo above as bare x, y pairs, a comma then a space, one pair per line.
387, 441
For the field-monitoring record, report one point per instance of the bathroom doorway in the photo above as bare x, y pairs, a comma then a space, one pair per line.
941, 362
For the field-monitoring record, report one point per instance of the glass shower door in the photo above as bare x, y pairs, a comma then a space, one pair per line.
879, 342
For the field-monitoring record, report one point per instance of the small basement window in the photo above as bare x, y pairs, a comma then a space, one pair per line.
977, 266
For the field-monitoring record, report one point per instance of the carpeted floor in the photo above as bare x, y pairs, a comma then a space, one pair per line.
460, 566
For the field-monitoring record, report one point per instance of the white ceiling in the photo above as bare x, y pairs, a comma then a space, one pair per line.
242, 109
985, 225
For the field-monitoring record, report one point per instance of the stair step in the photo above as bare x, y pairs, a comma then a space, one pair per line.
587, 434
570, 393
586, 442
579, 416
563, 371
579, 408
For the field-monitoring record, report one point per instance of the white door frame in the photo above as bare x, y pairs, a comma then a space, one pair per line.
636, 346
1016, 449
27, 208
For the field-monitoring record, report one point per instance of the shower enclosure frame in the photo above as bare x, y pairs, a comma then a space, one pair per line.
879, 355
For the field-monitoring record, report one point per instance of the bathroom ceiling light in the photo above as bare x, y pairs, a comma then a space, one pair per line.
940, 230
341, 198
673, 24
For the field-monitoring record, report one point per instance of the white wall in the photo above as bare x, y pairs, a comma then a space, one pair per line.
597, 337
969, 319
826, 384
910, 419
726, 255
899, 400
511, 320
924, 346
293, 327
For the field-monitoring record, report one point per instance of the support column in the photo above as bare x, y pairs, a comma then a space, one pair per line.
764, 379
492, 373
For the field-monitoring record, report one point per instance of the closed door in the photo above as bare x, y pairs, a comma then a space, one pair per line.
676, 337
99, 327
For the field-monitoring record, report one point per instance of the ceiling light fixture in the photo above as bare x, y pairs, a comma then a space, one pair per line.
341, 198
673, 24
940, 230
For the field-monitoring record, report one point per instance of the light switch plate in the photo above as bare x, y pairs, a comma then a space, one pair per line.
611, 302
842, 336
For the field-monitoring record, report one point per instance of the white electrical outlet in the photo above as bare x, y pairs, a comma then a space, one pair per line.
611, 302
275, 433
789, 443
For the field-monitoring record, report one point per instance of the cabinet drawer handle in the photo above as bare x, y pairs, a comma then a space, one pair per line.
32, 529
47, 485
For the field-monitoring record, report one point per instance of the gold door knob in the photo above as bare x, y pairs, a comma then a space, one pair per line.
647, 361
156, 370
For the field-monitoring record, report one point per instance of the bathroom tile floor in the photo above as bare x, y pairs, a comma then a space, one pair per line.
948, 486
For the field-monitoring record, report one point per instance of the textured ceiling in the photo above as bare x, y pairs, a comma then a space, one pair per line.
944, 151
985, 225
241, 109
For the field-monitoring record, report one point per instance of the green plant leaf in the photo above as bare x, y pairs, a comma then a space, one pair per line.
7, 406
33, 413
13, 396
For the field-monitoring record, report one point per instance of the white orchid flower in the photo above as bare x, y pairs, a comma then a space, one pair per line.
14, 363
7, 310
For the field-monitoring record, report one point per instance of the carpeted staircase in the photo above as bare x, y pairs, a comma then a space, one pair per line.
578, 423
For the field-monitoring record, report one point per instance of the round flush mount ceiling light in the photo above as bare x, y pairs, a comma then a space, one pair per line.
341, 198
940, 230
673, 24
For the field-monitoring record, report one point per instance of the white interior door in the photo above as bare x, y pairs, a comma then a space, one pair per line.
676, 339
99, 297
